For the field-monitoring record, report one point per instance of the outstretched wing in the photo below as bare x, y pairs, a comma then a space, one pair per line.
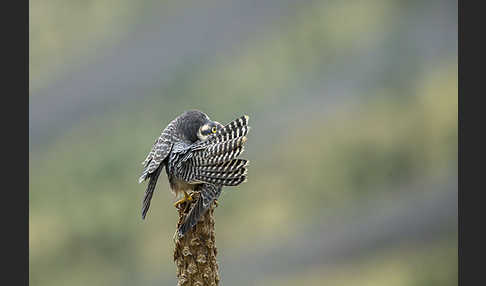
159, 151
214, 160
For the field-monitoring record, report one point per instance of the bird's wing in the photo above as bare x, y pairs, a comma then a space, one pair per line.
159, 151
214, 160
150, 191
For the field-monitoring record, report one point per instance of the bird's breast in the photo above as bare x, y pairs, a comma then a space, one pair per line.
178, 185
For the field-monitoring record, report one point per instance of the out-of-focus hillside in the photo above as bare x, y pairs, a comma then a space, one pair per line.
61, 33
347, 103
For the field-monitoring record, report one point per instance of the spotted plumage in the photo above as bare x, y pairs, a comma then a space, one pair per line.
199, 155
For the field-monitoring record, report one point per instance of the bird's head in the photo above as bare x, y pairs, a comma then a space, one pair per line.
196, 125
207, 129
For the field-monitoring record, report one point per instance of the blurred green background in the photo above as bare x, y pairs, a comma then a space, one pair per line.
353, 148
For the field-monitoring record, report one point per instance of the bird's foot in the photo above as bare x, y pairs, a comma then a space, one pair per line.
186, 198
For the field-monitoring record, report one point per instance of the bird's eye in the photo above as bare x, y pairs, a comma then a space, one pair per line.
214, 129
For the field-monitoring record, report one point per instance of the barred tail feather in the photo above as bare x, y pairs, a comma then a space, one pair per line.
150, 191
224, 147
225, 182
223, 175
231, 173
215, 160
234, 129
198, 160
227, 167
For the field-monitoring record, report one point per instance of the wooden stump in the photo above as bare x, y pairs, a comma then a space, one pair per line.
195, 253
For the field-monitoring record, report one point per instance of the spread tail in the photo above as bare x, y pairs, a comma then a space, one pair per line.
216, 160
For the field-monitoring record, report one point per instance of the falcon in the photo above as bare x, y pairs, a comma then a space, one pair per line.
199, 155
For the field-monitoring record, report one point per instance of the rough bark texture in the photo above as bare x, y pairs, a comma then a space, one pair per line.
195, 253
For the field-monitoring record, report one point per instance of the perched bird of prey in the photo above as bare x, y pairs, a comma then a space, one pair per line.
199, 155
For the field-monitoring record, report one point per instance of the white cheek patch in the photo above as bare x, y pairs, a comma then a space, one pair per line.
199, 133
204, 128
202, 137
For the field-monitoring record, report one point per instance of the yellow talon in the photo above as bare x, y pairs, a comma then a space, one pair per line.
184, 199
